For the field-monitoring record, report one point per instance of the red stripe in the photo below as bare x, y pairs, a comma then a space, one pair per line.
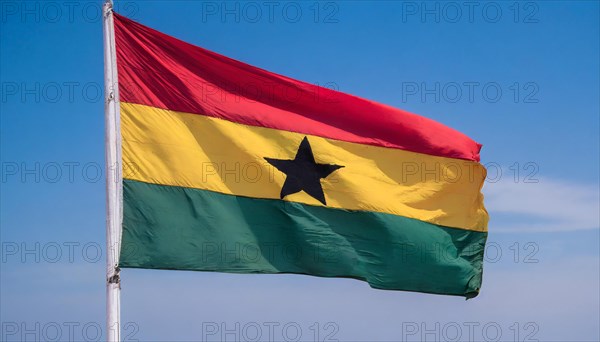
160, 71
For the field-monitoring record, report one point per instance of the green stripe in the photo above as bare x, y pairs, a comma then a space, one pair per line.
166, 227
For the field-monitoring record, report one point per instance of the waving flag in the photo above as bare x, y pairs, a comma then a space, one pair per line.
232, 168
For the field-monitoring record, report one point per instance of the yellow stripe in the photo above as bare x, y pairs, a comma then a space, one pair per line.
172, 148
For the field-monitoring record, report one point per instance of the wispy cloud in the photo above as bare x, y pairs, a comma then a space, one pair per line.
546, 206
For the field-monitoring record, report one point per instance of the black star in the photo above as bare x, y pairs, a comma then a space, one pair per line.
303, 173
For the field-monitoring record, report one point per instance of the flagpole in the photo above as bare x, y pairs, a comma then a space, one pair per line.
114, 182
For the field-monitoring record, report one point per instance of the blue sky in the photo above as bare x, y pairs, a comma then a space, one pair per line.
521, 78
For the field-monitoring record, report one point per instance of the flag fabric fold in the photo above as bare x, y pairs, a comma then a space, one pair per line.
231, 168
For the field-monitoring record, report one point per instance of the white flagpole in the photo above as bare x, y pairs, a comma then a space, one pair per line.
114, 181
